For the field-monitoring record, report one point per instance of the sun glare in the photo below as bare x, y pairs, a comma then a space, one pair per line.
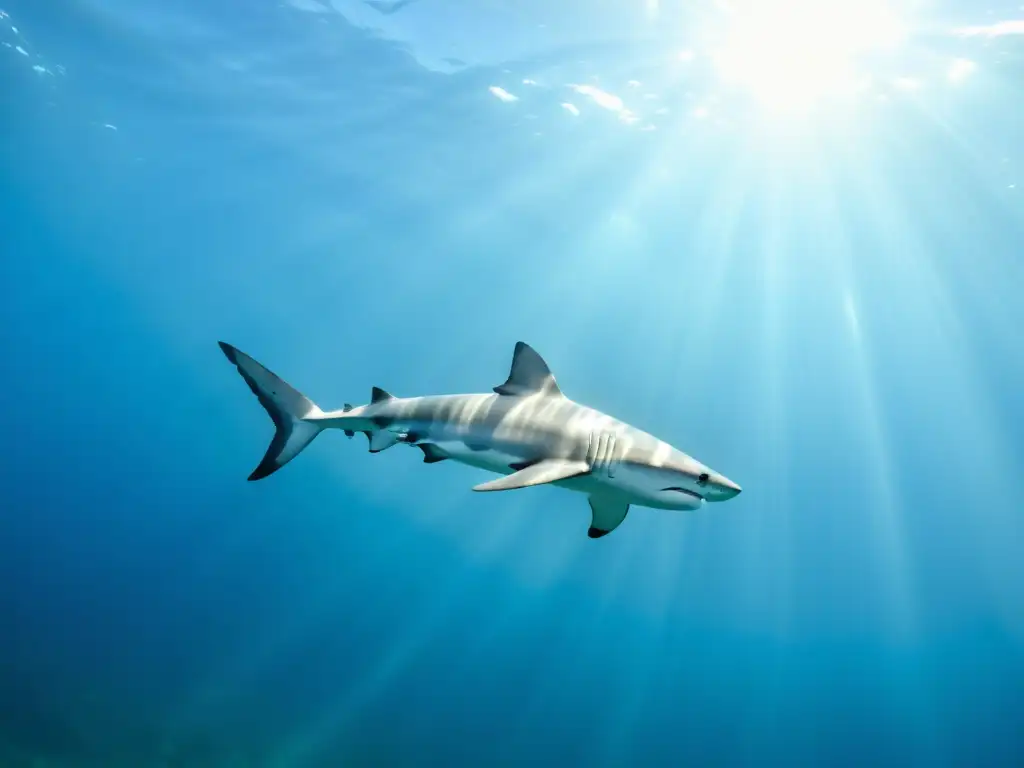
793, 53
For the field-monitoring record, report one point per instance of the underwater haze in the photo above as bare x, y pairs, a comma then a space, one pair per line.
784, 236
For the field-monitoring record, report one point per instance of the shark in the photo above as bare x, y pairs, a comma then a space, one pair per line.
525, 430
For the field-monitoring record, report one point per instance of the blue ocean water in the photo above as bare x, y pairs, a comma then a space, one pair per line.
820, 299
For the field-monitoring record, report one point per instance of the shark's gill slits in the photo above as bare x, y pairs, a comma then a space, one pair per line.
603, 453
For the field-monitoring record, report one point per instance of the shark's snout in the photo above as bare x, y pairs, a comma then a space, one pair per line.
721, 488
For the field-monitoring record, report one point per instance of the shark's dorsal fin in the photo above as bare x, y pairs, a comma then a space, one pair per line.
530, 375
378, 395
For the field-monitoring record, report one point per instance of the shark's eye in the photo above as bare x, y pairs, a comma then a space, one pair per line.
703, 479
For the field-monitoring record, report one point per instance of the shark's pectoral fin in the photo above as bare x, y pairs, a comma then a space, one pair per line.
547, 471
383, 439
431, 453
607, 512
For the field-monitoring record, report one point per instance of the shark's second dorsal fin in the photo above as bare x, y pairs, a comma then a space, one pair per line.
530, 375
378, 395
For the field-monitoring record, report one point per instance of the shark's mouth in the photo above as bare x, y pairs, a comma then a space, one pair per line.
687, 491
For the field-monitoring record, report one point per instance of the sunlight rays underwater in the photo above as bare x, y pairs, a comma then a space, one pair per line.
584, 269
730, 251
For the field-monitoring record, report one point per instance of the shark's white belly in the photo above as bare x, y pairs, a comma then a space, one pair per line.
492, 460
515, 445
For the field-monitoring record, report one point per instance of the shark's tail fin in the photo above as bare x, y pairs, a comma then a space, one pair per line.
294, 414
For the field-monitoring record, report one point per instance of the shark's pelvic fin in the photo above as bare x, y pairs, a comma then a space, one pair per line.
530, 375
383, 439
378, 395
547, 471
607, 512
431, 453
348, 432
294, 415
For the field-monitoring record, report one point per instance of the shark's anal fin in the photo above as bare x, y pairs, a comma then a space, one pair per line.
607, 513
547, 471
431, 453
529, 375
383, 439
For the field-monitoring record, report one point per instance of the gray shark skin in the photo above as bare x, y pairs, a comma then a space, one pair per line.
526, 431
